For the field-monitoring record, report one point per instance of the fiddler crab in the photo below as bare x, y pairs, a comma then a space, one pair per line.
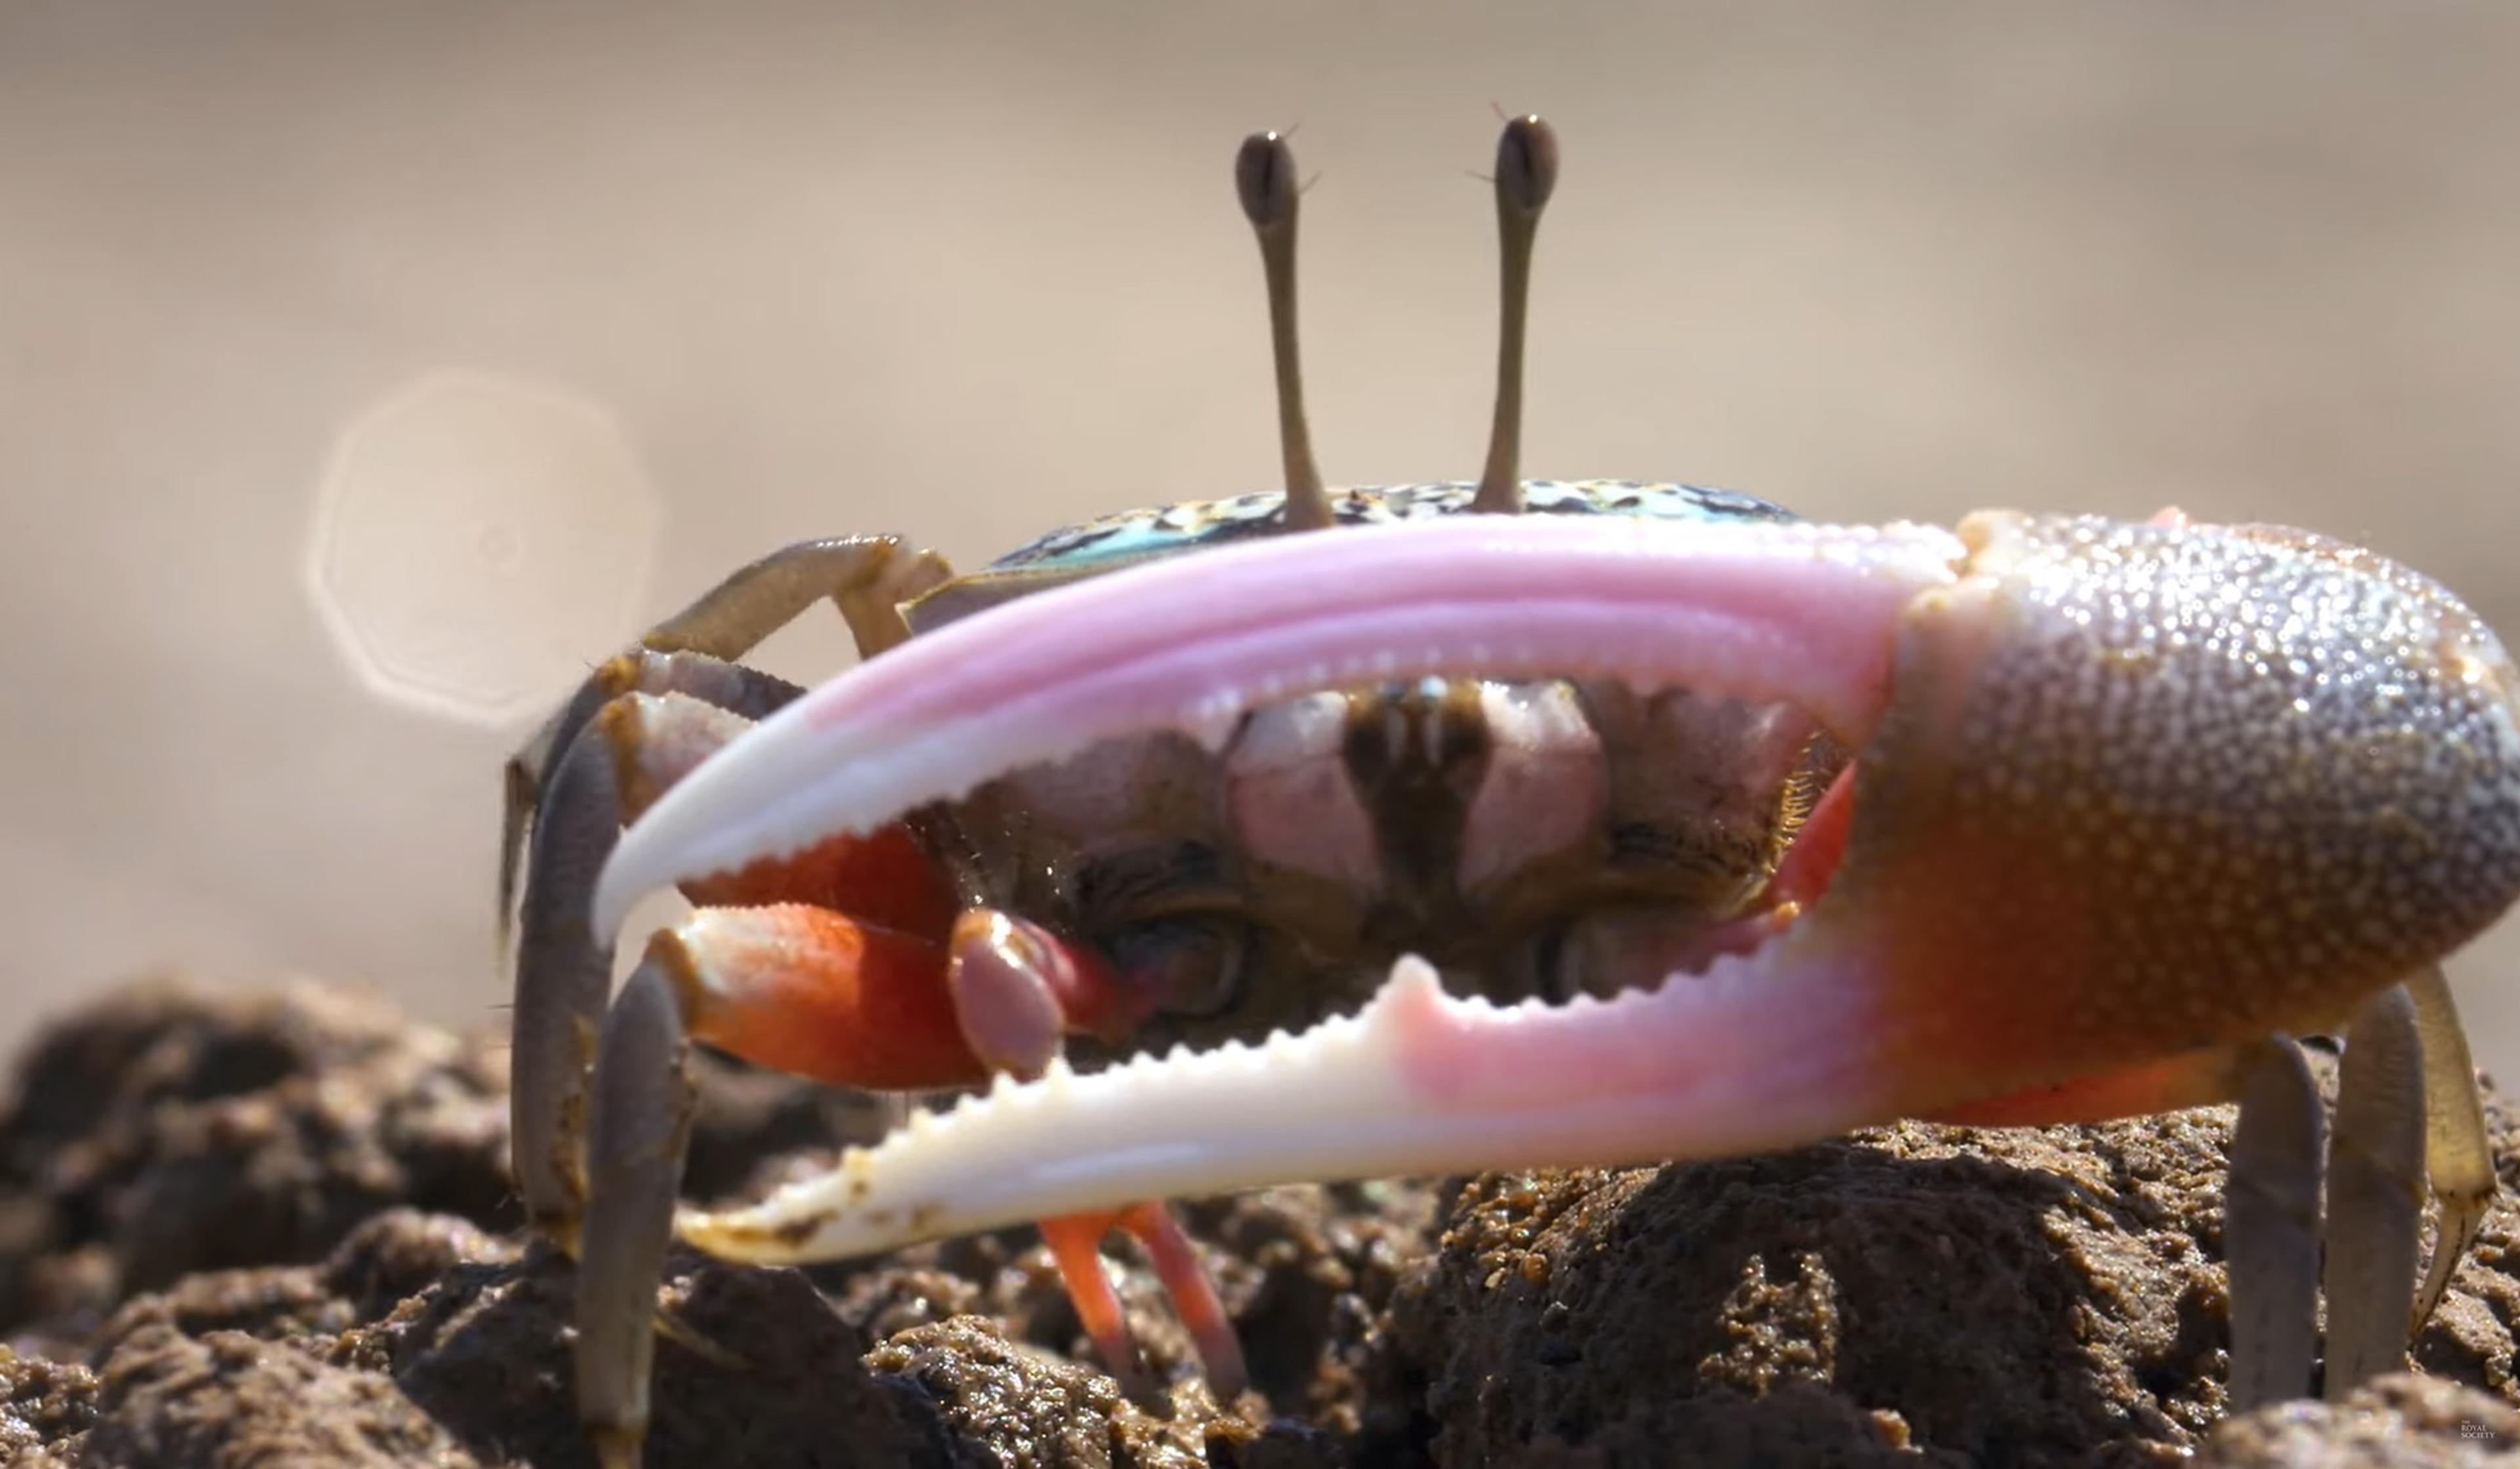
1518, 825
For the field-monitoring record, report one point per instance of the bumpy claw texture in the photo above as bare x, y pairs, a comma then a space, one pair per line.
2130, 794
2263, 773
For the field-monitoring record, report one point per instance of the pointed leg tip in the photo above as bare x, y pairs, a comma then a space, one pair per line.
684, 1334
1221, 1357
1075, 1246
1117, 1346
617, 1446
559, 1233
1196, 1303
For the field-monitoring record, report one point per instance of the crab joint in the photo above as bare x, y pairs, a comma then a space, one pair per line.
2126, 796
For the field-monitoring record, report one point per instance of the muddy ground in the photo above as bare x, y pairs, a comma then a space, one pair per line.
274, 1228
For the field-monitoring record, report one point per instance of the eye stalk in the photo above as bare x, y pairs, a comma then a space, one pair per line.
1526, 174
1264, 177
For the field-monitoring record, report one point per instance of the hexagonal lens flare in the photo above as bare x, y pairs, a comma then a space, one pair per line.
475, 537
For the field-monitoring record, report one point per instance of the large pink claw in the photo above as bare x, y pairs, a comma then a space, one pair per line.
2128, 796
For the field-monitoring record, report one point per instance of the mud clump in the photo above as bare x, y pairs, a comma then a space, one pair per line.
275, 1227
2396, 1421
176, 1129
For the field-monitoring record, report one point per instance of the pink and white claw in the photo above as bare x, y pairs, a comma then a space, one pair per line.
2132, 803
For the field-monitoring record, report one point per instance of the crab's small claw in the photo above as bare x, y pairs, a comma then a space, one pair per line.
2126, 795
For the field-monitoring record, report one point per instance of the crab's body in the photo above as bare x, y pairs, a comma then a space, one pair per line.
1568, 823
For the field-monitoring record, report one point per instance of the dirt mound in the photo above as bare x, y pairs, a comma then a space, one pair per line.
274, 1228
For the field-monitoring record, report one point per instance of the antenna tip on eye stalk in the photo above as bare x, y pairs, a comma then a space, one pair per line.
1264, 179
1526, 174
1526, 168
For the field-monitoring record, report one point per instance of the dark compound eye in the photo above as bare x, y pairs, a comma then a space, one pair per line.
1190, 967
1116, 889
1527, 171
1264, 179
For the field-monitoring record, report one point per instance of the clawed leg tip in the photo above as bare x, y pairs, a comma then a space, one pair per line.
558, 1237
1227, 1387
617, 1448
682, 1334
1143, 1390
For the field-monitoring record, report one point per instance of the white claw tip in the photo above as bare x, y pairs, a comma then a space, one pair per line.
616, 892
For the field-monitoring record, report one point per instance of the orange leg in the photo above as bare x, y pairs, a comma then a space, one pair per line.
1075, 1243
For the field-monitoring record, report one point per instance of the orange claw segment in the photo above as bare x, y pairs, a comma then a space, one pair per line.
820, 994
883, 879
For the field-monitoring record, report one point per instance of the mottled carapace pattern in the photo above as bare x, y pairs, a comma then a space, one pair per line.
1108, 542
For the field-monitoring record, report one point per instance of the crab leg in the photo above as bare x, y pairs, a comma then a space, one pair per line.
639, 1135
564, 798
845, 960
867, 577
2406, 1067
2075, 741
2375, 1192
563, 971
1075, 1243
2406, 1080
2270, 1208
634, 746
731, 687
2457, 1158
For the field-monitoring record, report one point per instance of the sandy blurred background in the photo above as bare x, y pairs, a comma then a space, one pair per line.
367, 371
